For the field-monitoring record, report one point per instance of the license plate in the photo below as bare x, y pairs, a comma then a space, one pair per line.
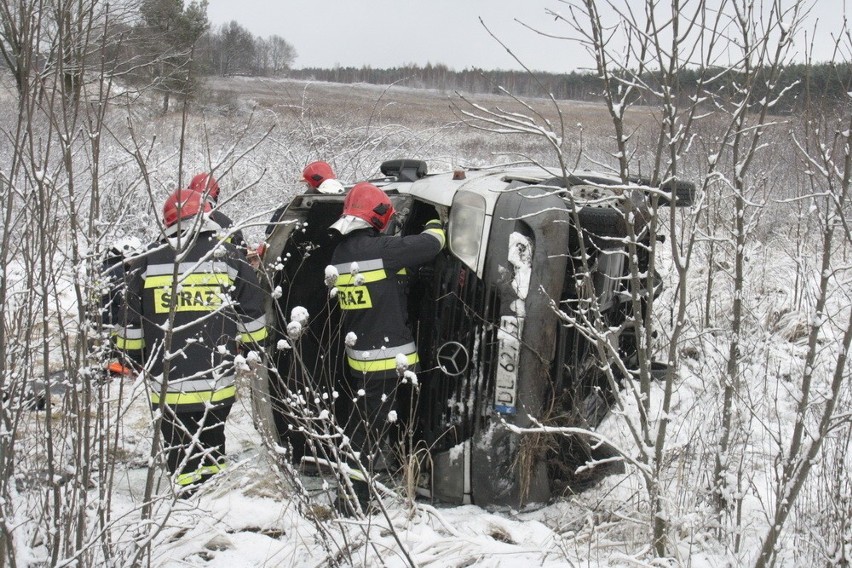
508, 353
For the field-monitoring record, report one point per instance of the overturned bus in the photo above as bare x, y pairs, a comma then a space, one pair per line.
524, 243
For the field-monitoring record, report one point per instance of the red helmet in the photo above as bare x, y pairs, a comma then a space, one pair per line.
368, 202
317, 172
206, 184
182, 204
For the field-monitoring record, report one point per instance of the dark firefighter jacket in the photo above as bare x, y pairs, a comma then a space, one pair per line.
236, 237
217, 306
112, 284
279, 213
276, 217
372, 289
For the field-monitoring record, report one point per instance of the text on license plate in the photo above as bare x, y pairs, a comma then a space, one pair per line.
508, 353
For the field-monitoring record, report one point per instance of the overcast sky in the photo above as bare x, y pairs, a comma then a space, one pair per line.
391, 33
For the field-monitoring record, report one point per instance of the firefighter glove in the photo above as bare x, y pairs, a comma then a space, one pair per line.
436, 229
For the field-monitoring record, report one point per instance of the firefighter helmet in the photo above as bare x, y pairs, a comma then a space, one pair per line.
125, 246
183, 204
317, 172
204, 183
368, 202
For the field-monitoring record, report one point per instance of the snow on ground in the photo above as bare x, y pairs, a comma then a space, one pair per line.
248, 517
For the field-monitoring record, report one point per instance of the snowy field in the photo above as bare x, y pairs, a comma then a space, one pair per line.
257, 134
246, 518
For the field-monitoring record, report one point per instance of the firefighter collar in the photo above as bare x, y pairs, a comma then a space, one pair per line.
348, 223
193, 225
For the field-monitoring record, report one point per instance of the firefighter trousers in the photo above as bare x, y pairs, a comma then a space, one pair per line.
195, 442
370, 431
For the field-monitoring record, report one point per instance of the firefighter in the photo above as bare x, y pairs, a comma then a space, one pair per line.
372, 272
202, 290
207, 185
313, 365
320, 178
112, 282
112, 277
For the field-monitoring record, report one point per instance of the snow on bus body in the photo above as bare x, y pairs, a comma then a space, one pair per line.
512, 326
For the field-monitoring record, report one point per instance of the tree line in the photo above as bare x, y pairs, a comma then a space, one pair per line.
169, 44
176, 44
798, 82
161, 44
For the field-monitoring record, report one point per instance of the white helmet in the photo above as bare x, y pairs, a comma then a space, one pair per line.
331, 187
126, 246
